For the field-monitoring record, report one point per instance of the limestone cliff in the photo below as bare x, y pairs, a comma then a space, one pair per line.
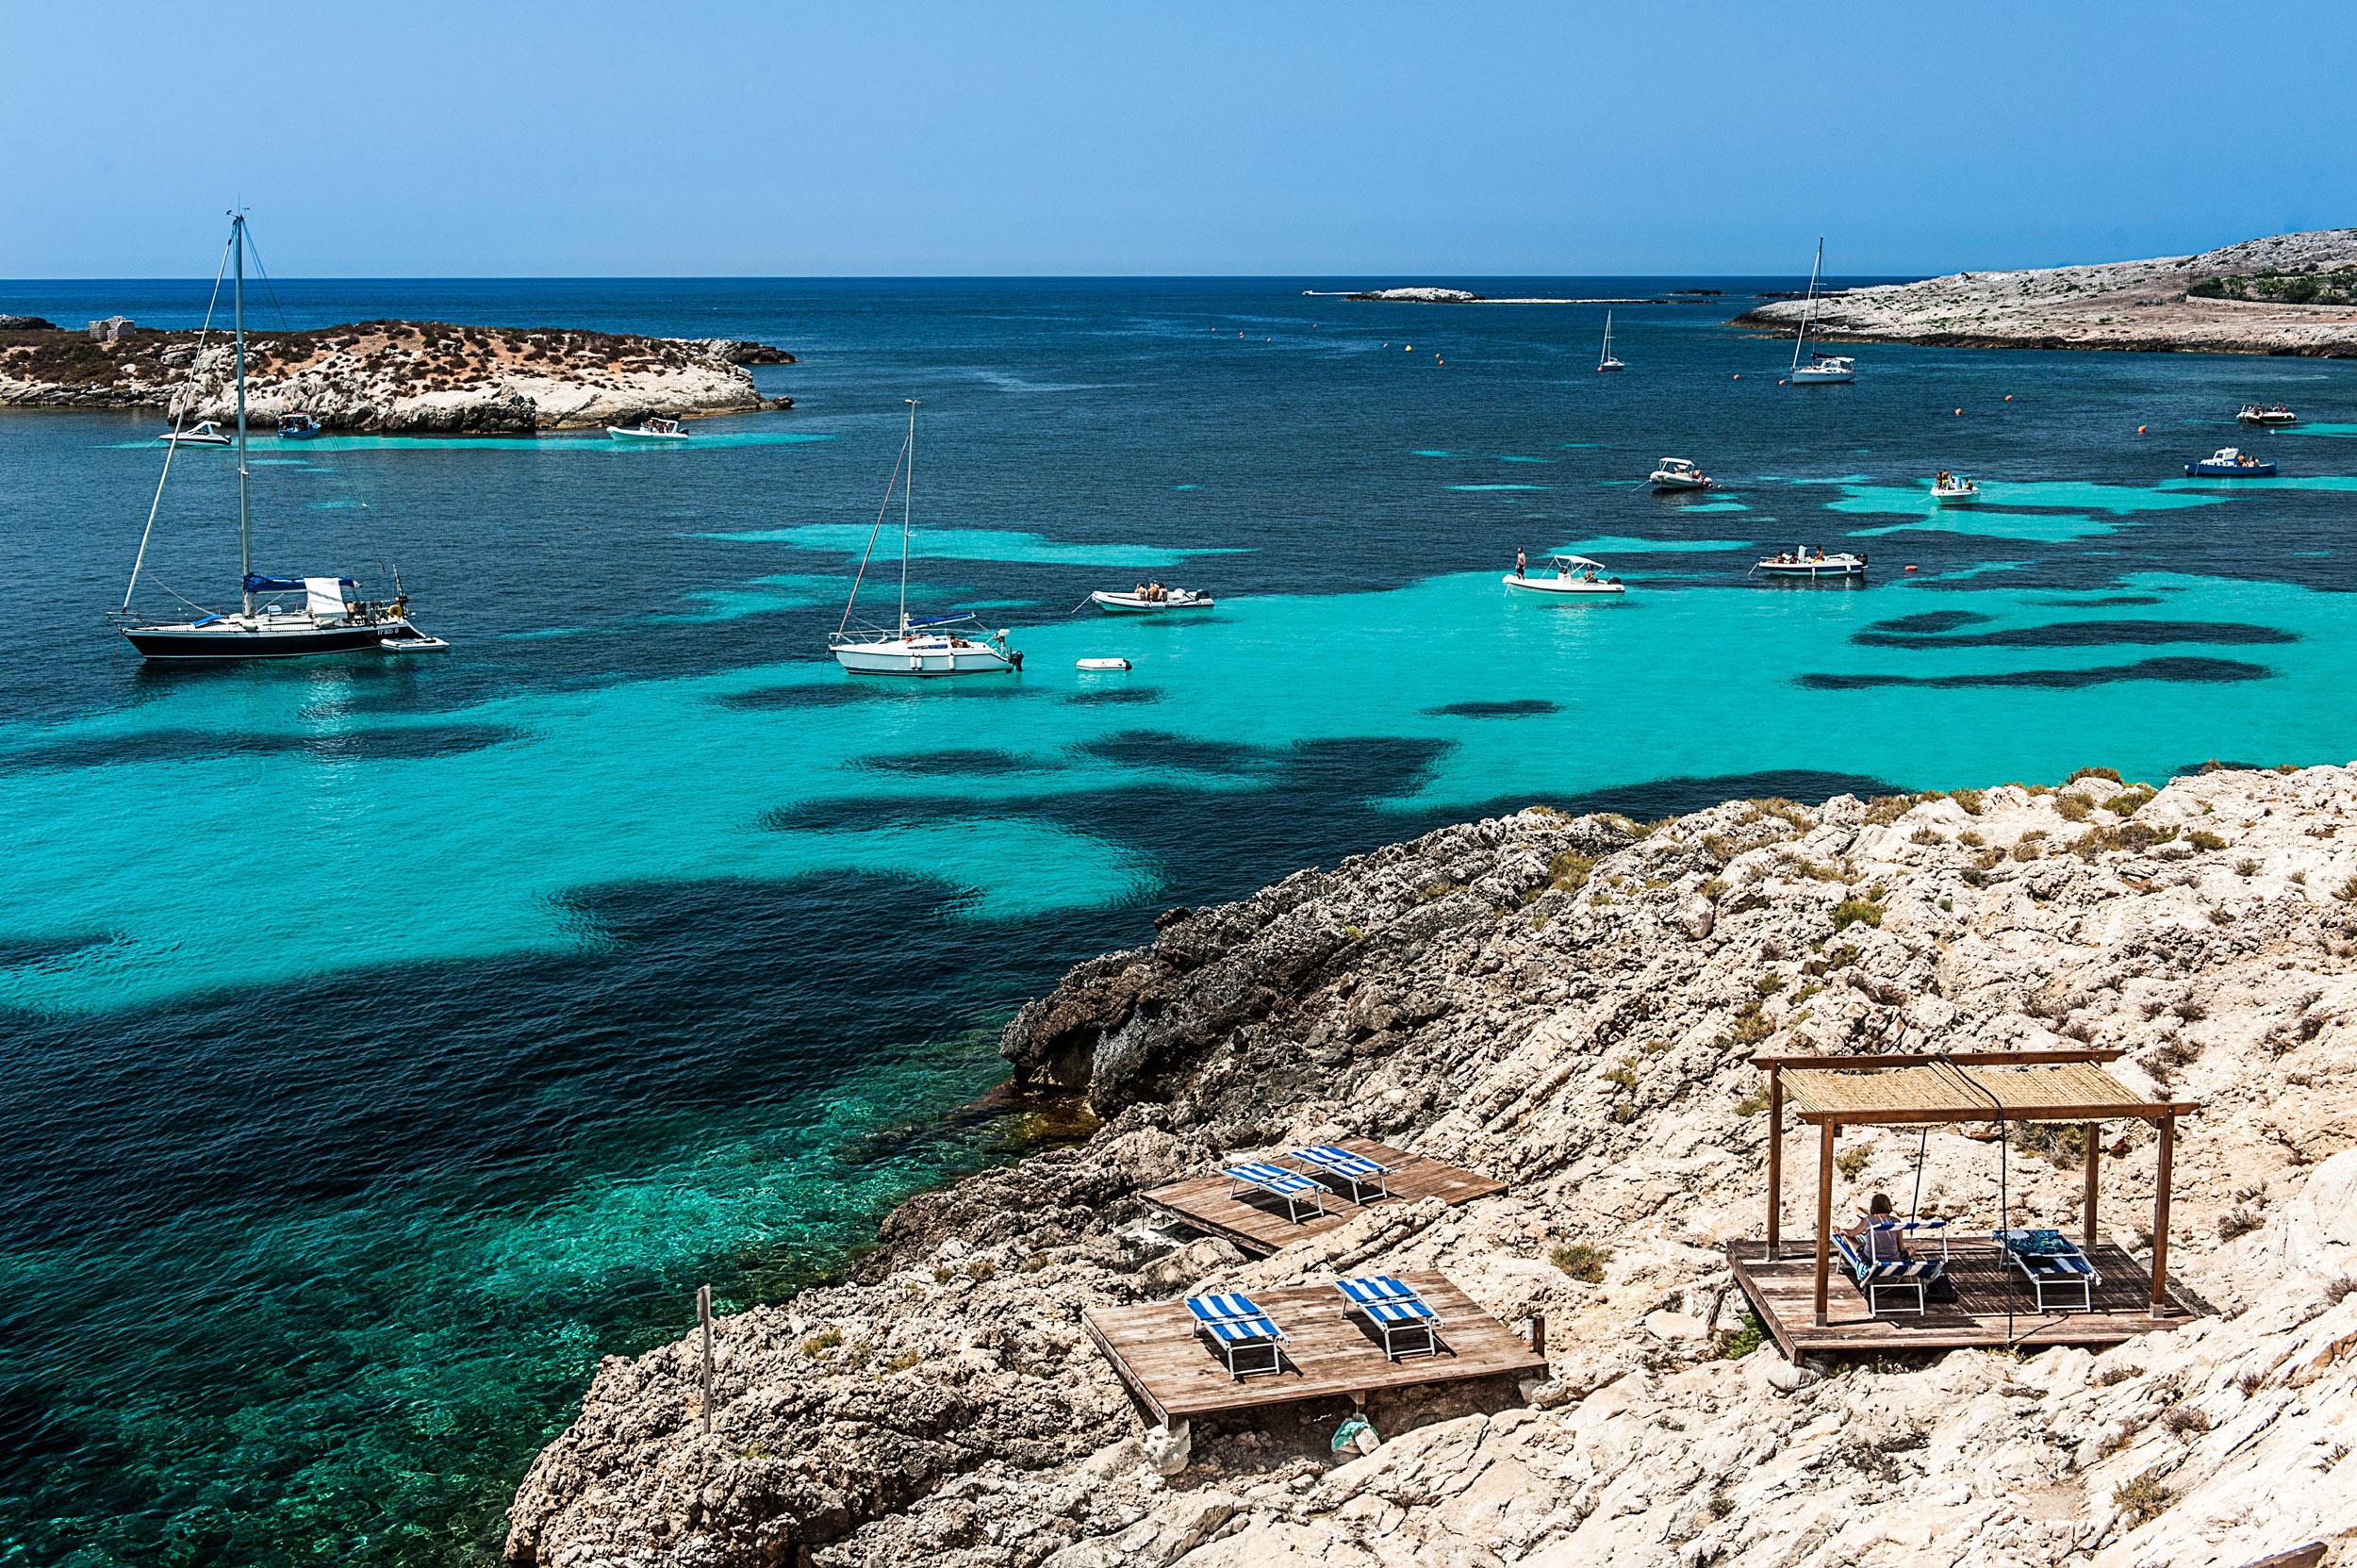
390, 377
1570, 1004
2117, 304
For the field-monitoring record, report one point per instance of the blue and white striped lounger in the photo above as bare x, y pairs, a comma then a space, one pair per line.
2053, 1263
1290, 1186
1398, 1315
1342, 1165
1897, 1274
1239, 1331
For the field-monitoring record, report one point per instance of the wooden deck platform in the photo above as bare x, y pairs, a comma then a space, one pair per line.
1177, 1374
1783, 1292
1258, 1224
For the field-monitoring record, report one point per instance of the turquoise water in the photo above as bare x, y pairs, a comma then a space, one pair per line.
389, 1041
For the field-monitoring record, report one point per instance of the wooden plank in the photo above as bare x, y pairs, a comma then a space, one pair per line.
1328, 1354
1961, 1058
2160, 1212
1261, 1225
2151, 1111
1824, 1216
1992, 1309
1776, 1159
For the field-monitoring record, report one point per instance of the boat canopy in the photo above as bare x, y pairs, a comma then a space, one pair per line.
326, 595
257, 584
1577, 561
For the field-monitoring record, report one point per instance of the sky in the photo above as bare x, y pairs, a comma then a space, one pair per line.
1482, 138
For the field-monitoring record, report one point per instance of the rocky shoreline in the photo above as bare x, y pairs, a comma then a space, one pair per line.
411, 378
1569, 1005
2141, 305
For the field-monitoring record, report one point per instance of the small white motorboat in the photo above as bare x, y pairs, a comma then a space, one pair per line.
203, 433
1100, 664
2229, 462
1811, 564
1574, 575
1954, 489
649, 429
2251, 413
1152, 599
1676, 473
1605, 361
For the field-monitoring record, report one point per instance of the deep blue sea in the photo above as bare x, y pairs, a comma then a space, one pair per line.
385, 1042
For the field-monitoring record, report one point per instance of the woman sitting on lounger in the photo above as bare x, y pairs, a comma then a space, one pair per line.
1883, 1245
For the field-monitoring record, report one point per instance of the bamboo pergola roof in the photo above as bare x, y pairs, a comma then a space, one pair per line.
2050, 1086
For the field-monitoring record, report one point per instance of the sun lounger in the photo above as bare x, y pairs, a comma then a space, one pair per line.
1289, 1186
1876, 1274
1398, 1315
2053, 1265
1343, 1165
1239, 1331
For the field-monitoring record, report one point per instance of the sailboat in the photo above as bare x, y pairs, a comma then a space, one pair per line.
334, 618
929, 646
1821, 367
1605, 360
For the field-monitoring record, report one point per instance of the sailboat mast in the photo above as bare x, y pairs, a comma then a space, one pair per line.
1809, 307
245, 536
908, 496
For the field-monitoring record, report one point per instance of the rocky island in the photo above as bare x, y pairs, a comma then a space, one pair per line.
2287, 294
1570, 1004
388, 377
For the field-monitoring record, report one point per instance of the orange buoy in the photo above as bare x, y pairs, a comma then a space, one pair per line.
2008, 397
1959, 412
1910, 569
2139, 430
1739, 376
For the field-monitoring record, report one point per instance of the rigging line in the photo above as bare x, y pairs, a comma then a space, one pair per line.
2004, 1200
172, 449
873, 534
347, 537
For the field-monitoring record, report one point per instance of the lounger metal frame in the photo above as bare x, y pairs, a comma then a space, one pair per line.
1279, 1182
1233, 1323
1395, 1311
1340, 1163
2061, 1269
1875, 1275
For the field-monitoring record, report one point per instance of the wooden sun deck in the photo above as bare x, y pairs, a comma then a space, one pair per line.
1783, 1292
1177, 1375
1258, 1223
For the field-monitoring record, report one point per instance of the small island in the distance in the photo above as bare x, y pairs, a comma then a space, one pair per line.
2285, 295
403, 378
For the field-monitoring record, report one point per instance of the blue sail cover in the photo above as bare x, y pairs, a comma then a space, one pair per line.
941, 620
285, 584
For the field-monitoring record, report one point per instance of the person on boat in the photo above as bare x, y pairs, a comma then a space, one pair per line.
1520, 561
1589, 576
1138, 592
1878, 1231
1939, 481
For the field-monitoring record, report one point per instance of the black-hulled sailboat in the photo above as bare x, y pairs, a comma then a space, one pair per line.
332, 617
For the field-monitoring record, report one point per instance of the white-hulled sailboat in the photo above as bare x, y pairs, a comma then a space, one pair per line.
334, 618
1821, 367
1604, 357
928, 647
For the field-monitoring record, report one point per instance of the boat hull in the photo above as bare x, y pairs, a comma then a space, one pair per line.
651, 436
921, 659
2230, 470
231, 644
1810, 570
1806, 376
1672, 482
1123, 604
1610, 366
1554, 588
1957, 498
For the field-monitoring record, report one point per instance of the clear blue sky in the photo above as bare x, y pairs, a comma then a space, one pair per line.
1105, 137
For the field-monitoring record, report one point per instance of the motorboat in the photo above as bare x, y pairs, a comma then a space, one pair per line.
1954, 489
1573, 575
1151, 599
297, 427
202, 433
278, 617
1677, 473
649, 429
1821, 367
1605, 361
2231, 463
2275, 418
1810, 564
1100, 664
936, 645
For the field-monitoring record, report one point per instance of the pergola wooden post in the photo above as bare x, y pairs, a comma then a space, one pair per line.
1902, 1089
1775, 1163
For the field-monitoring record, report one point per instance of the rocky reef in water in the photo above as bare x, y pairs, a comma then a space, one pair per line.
390, 377
2153, 305
1570, 1004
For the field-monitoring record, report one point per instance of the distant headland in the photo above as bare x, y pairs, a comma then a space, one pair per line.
413, 378
2285, 294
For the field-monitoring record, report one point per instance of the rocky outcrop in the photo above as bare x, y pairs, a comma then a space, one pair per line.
390, 377
1570, 1003
2120, 305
